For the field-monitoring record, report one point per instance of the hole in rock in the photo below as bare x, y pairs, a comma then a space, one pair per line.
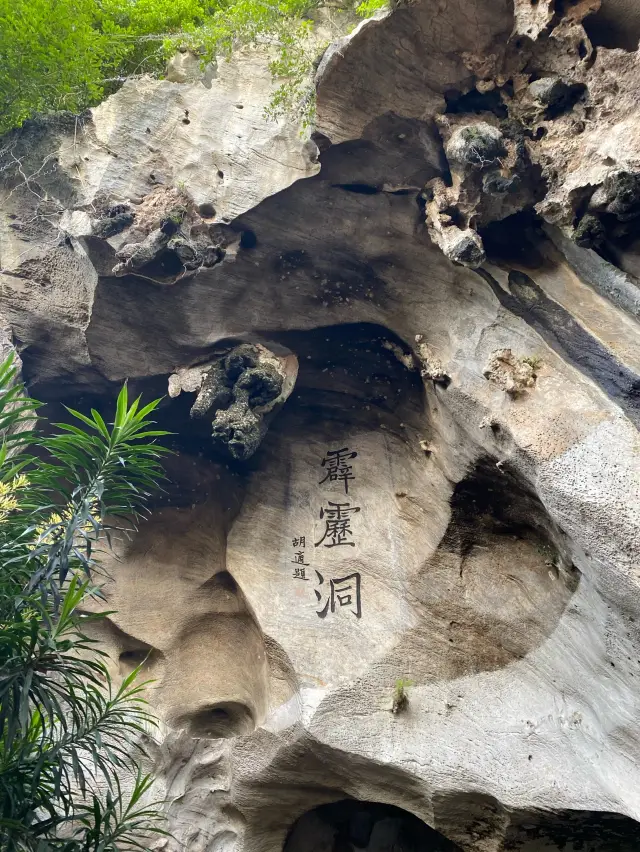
570, 96
353, 374
475, 101
499, 538
248, 240
166, 265
457, 216
131, 659
134, 657
359, 188
323, 142
220, 174
223, 582
186, 121
219, 721
468, 815
207, 210
351, 825
131, 652
608, 28
514, 240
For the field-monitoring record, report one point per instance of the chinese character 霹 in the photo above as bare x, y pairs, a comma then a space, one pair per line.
344, 591
337, 468
337, 521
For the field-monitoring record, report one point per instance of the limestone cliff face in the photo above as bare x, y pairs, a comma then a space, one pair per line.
402, 358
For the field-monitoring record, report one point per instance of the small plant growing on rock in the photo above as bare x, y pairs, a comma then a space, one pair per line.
534, 361
477, 145
514, 375
400, 695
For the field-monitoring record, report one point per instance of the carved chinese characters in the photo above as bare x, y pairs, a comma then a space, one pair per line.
300, 569
338, 531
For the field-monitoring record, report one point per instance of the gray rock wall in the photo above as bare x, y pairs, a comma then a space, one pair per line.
436, 476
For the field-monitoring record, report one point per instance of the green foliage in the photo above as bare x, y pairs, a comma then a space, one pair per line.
369, 7
294, 64
140, 34
51, 57
67, 54
400, 696
66, 732
534, 361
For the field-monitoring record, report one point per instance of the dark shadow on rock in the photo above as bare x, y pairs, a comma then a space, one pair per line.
572, 831
570, 339
495, 588
474, 819
351, 825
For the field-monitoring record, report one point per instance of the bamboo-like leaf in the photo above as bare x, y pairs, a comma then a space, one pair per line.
65, 730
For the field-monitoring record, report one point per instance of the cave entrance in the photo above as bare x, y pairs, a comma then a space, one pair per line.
352, 826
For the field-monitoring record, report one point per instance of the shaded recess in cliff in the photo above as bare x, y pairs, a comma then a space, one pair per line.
177, 611
492, 593
477, 818
351, 824
615, 25
325, 274
589, 831
361, 373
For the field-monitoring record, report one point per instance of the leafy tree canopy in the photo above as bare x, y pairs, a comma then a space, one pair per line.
68, 54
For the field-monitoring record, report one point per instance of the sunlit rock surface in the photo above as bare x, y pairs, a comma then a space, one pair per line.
448, 490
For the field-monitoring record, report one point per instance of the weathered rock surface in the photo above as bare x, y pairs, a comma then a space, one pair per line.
448, 492
239, 393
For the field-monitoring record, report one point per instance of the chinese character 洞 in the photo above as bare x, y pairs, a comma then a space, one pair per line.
344, 591
337, 468
300, 573
299, 558
299, 542
337, 521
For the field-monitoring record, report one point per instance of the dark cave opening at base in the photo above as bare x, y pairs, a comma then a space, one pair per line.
350, 825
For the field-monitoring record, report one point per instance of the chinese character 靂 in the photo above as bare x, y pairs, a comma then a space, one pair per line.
337, 521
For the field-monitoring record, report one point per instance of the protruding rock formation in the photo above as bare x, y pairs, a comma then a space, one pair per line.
515, 375
489, 180
239, 394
